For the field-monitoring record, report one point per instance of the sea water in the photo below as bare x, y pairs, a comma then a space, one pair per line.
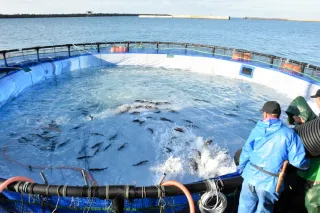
129, 125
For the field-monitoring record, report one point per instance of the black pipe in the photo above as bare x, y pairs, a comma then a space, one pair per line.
114, 191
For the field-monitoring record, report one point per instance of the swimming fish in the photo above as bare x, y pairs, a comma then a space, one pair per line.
135, 113
193, 164
53, 125
140, 101
149, 117
190, 122
97, 134
198, 152
30, 168
172, 111
230, 114
97, 145
162, 103
179, 129
202, 100
83, 148
138, 121
62, 144
140, 163
113, 137
122, 146
168, 150
107, 147
84, 157
77, 127
150, 130
208, 142
157, 111
84, 112
249, 119
96, 151
97, 169
91, 117
165, 119
52, 128
25, 139
193, 126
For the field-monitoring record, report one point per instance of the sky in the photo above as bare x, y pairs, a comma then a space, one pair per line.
295, 9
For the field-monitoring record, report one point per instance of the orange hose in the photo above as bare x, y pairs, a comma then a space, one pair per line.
185, 191
14, 179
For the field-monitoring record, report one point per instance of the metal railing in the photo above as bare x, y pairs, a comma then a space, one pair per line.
15, 58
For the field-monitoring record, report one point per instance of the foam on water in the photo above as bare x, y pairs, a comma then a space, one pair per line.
129, 124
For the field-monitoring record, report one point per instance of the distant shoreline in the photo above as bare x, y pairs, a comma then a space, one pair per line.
278, 19
73, 15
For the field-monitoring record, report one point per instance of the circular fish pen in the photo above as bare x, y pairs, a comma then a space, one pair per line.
96, 125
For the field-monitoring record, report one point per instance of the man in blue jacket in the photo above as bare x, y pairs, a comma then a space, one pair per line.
268, 146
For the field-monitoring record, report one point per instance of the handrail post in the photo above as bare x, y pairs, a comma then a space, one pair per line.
272, 61
302, 66
5, 59
69, 54
38, 56
128, 46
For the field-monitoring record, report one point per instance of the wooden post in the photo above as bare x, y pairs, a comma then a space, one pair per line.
281, 176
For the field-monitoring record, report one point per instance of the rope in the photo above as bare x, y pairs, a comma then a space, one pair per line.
213, 195
4, 150
58, 200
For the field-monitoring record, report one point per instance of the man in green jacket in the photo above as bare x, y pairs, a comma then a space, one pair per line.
312, 176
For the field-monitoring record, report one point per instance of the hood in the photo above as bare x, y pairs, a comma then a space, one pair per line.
268, 127
300, 107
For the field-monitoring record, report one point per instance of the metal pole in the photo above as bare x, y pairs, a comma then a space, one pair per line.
128, 46
69, 54
5, 59
38, 56
272, 61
